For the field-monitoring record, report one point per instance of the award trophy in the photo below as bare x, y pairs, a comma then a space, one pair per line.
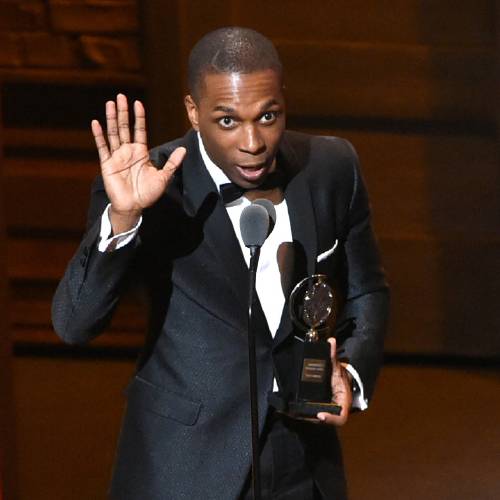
311, 308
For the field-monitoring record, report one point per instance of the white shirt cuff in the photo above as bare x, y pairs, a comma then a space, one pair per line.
108, 243
358, 396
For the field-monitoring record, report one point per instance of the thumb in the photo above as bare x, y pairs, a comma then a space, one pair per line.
333, 350
174, 161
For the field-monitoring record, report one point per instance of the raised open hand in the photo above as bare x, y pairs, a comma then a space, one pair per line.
131, 181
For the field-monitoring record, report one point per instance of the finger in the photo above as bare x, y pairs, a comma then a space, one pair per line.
337, 420
112, 126
100, 141
174, 161
140, 134
123, 126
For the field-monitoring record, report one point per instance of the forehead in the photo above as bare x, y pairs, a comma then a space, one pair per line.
235, 90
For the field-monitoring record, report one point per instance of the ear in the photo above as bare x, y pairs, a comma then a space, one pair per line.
192, 111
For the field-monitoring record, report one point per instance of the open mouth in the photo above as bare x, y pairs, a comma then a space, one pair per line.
252, 173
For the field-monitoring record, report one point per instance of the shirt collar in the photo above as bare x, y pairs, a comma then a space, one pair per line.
216, 173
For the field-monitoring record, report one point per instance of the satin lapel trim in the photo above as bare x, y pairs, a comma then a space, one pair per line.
220, 237
228, 262
304, 230
302, 219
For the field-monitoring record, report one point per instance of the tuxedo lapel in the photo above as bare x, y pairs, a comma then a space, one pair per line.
303, 226
220, 237
217, 270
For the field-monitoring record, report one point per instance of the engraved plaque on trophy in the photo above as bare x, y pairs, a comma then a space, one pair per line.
312, 309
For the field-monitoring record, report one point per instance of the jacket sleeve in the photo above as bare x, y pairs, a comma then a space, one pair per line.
366, 309
92, 283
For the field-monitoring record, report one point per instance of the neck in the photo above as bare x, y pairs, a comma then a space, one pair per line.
274, 195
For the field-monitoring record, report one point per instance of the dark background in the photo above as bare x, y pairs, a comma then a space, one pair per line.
413, 84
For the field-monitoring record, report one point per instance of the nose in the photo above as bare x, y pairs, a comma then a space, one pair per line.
252, 141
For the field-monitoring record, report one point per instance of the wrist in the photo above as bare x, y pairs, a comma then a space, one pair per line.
123, 221
349, 377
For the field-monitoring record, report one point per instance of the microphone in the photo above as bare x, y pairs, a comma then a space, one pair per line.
269, 206
256, 222
254, 225
271, 211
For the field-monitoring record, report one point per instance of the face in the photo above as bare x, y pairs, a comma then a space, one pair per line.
241, 118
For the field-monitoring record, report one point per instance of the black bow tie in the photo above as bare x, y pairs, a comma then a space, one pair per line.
230, 192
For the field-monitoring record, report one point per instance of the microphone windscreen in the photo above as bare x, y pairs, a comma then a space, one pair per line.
269, 206
254, 225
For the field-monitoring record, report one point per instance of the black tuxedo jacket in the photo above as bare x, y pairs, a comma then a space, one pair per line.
186, 431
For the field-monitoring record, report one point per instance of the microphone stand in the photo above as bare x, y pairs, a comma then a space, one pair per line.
252, 362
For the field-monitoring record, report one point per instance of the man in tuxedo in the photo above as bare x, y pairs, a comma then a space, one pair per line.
163, 218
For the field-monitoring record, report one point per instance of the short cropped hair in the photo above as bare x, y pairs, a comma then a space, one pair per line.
231, 50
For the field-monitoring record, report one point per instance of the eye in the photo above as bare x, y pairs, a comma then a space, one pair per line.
268, 117
226, 122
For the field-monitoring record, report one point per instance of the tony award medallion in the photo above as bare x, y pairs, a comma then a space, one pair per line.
311, 308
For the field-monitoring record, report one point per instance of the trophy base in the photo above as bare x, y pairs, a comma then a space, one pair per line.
309, 409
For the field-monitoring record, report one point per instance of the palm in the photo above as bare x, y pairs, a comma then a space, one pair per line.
131, 181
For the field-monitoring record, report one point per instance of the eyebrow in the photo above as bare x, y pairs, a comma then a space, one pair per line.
228, 109
268, 104
224, 109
